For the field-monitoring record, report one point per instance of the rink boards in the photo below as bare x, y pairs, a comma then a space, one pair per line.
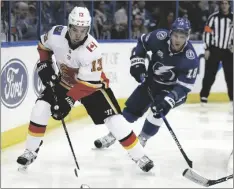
20, 85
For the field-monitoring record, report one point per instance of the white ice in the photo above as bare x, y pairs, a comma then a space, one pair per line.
205, 135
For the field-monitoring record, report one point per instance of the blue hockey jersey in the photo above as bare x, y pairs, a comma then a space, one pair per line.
168, 70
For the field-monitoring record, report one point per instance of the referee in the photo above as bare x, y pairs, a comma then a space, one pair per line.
218, 39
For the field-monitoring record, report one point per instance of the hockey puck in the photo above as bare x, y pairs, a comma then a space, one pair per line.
76, 172
84, 186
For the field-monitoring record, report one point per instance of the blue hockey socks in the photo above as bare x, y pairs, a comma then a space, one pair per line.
149, 130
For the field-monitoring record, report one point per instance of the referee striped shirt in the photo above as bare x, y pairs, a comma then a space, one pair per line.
218, 31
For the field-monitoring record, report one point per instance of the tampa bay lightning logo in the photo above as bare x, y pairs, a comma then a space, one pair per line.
163, 73
161, 35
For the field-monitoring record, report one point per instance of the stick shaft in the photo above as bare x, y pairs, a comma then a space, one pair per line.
189, 162
65, 128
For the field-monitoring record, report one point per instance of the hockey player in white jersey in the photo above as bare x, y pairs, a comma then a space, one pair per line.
81, 78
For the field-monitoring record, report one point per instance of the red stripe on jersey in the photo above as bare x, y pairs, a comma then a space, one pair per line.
105, 79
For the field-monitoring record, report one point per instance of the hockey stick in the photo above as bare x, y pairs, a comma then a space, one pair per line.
195, 177
65, 129
189, 162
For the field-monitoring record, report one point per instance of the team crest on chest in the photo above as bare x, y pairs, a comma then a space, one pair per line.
163, 73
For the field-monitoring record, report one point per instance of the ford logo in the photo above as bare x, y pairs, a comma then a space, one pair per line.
14, 83
37, 84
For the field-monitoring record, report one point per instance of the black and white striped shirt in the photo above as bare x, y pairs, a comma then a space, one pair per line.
218, 31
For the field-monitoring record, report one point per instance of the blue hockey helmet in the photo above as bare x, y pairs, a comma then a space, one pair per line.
181, 24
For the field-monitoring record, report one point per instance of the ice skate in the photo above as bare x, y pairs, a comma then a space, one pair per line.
27, 158
204, 102
105, 141
145, 163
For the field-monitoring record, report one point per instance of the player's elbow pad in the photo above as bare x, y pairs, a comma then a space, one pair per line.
44, 54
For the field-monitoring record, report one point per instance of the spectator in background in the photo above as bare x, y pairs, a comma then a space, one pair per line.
137, 26
154, 19
58, 13
166, 22
26, 22
198, 20
102, 21
47, 18
213, 7
139, 8
183, 9
120, 29
20, 10
162, 14
4, 24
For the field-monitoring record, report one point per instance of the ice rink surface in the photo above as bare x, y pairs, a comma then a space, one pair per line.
206, 134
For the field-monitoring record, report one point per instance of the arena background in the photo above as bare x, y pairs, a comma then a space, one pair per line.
116, 25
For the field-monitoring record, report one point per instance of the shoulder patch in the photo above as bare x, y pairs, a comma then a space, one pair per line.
161, 35
190, 54
91, 46
58, 30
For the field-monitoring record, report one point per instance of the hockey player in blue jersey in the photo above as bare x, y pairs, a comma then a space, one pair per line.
171, 74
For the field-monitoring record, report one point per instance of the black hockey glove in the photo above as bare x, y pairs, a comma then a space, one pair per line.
164, 107
137, 69
46, 71
63, 108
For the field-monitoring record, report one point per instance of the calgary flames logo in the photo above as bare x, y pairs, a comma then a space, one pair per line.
68, 75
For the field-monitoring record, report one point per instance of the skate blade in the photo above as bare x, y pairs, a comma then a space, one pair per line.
98, 149
23, 169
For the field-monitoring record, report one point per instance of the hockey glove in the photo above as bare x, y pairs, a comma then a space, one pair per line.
63, 108
45, 72
137, 68
164, 107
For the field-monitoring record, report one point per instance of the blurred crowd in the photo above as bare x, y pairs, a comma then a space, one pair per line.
110, 18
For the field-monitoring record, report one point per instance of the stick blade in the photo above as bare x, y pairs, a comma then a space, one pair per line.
76, 173
195, 177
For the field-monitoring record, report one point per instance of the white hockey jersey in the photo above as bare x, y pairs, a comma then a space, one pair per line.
81, 64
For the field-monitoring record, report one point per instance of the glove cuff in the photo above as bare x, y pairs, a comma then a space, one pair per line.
137, 60
170, 101
70, 101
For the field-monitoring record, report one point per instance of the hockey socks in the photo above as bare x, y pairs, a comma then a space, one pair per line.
149, 130
37, 127
119, 127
